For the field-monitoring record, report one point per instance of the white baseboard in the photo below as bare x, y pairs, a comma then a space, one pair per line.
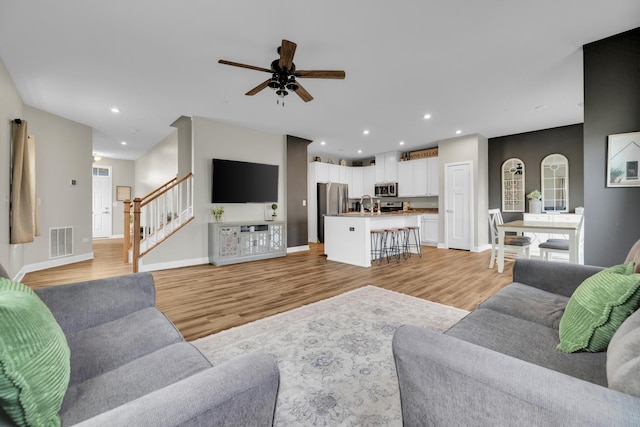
52, 263
482, 248
298, 249
172, 264
116, 236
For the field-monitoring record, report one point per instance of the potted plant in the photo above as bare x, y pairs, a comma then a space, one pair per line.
217, 213
535, 201
275, 208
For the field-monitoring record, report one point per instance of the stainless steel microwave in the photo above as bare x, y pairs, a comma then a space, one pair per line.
389, 189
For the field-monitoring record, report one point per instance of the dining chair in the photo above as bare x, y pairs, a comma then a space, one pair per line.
559, 246
515, 246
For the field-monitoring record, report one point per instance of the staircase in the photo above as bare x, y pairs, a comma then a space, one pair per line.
150, 220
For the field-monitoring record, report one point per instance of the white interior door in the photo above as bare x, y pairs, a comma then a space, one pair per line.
102, 199
458, 205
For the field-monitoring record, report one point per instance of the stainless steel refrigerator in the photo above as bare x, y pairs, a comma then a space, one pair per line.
333, 199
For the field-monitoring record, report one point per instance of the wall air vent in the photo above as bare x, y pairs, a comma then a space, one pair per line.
60, 242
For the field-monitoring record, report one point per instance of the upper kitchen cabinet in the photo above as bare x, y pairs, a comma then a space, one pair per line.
387, 167
319, 172
433, 176
334, 173
368, 180
356, 186
418, 178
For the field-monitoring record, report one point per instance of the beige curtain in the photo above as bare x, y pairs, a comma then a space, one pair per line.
24, 207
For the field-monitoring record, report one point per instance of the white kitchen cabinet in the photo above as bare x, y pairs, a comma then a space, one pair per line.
368, 180
346, 177
433, 176
334, 173
387, 167
319, 172
406, 179
356, 187
414, 179
429, 229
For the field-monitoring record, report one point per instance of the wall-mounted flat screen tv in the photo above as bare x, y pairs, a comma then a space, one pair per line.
243, 182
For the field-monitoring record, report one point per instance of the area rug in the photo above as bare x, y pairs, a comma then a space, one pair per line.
335, 359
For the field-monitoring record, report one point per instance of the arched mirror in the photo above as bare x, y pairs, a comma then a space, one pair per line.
513, 185
555, 183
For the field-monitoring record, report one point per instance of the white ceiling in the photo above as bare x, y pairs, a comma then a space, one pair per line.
476, 66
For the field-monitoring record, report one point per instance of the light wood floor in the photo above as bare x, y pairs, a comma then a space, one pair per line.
205, 299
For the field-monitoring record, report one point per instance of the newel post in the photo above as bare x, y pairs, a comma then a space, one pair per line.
127, 229
136, 233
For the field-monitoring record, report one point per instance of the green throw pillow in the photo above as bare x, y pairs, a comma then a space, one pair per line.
597, 308
34, 358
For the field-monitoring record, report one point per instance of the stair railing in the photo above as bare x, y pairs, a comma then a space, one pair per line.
150, 220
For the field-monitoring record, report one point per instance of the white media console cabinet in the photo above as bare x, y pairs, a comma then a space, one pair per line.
233, 242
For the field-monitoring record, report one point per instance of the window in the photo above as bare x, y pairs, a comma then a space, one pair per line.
555, 183
513, 185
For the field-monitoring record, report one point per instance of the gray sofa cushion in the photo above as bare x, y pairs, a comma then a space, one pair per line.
105, 347
528, 303
131, 381
528, 341
623, 357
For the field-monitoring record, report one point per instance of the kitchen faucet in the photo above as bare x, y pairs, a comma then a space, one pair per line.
362, 203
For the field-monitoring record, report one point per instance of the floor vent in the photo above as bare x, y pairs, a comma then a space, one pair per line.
60, 242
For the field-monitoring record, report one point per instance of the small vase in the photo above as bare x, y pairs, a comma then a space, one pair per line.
535, 206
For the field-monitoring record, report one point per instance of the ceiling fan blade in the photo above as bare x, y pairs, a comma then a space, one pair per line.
303, 94
237, 64
258, 88
320, 74
287, 50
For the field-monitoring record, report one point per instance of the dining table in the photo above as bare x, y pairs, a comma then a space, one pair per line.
552, 227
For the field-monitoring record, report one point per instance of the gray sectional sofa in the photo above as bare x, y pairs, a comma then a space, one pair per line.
499, 365
130, 366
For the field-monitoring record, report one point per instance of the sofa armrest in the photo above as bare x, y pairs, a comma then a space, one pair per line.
82, 305
241, 392
556, 277
448, 381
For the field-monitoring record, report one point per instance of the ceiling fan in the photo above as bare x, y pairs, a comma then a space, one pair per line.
284, 74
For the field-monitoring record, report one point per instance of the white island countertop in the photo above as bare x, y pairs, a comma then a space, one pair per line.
347, 237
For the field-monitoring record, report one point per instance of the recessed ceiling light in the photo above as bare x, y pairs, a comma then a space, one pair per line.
365, 132
458, 132
322, 143
427, 116
115, 110
359, 151
123, 142
401, 142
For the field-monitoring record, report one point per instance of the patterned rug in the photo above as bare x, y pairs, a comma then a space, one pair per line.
335, 359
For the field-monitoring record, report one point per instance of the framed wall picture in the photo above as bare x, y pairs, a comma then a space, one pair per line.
623, 157
123, 193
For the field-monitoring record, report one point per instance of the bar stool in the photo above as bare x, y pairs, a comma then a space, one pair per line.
378, 246
393, 249
402, 236
413, 231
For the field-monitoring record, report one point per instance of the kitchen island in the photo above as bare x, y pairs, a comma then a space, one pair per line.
347, 236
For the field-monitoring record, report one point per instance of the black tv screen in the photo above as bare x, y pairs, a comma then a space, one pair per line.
244, 182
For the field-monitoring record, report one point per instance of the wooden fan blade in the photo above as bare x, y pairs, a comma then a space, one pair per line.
237, 64
287, 50
258, 88
320, 74
303, 94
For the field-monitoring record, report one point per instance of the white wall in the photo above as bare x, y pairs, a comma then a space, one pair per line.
10, 108
214, 139
63, 153
156, 166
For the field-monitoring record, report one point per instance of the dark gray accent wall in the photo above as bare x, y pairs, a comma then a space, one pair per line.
611, 106
531, 148
297, 228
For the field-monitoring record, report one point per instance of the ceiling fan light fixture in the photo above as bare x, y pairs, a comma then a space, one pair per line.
282, 93
292, 86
